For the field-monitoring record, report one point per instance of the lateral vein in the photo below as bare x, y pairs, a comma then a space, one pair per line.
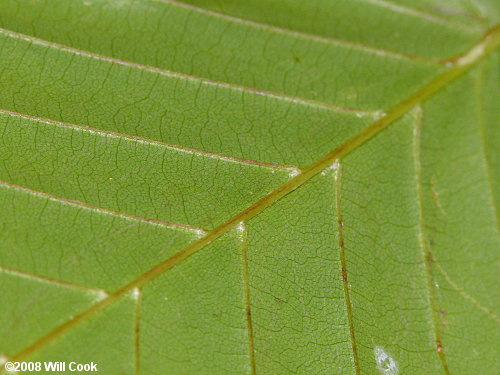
211, 82
318, 38
424, 242
149, 141
199, 231
345, 280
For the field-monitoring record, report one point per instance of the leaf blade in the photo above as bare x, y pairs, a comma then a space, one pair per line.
381, 357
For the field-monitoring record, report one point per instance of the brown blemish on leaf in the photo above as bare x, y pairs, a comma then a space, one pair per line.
443, 315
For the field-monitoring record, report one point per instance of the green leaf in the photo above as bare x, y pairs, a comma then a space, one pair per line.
257, 187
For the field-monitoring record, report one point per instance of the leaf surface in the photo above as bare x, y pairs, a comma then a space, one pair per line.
258, 187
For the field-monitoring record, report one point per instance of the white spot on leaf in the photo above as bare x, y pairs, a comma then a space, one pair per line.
241, 227
100, 295
472, 56
294, 172
335, 165
385, 363
200, 233
136, 294
240, 230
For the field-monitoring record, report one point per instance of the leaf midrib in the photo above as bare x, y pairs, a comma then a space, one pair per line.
488, 44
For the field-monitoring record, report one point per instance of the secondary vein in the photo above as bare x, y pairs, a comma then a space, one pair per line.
347, 289
207, 81
170, 146
199, 231
248, 306
424, 243
302, 35
421, 14
479, 83
137, 332
99, 293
